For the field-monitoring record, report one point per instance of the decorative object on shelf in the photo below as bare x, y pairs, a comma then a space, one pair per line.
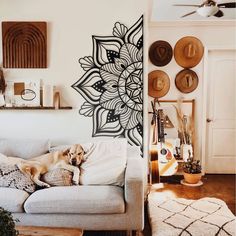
160, 53
188, 51
57, 100
7, 223
186, 81
113, 84
48, 95
167, 122
20, 93
24, 44
158, 84
192, 171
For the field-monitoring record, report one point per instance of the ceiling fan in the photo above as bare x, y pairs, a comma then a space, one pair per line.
208, 8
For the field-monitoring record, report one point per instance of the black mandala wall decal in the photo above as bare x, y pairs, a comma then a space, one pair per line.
112, 84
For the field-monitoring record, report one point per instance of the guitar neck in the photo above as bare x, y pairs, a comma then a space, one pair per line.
160, 120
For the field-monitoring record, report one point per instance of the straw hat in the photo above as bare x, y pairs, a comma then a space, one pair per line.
188, 51
158, 84
186, 81
160, 53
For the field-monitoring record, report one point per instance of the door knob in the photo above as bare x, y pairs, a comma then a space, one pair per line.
209, 120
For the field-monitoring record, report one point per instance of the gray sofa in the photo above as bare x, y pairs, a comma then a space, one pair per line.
87, 207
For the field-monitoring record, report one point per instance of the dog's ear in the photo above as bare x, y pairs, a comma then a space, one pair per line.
65, 153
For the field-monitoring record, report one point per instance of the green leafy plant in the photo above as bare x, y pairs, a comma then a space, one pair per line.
7, 223
192, 166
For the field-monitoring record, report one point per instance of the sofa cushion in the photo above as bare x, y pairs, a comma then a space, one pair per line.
77, 199
12, 199
12, 177
24, 148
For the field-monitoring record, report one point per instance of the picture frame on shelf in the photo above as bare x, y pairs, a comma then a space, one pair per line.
22, 93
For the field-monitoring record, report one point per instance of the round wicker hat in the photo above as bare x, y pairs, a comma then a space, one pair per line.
186, 81
158, 83
160, 53
188, 51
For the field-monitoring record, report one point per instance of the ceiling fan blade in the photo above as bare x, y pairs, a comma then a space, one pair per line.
227, 5
186, 5
219, 14
188, 14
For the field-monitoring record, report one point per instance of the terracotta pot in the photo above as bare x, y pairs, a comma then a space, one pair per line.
192, 178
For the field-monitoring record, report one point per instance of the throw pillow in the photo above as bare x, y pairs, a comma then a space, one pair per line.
12, 177
105, 163
58, 177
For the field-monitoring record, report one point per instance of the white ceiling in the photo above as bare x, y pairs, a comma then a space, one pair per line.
163, 10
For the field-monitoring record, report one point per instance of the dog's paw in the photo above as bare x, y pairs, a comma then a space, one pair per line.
75, 182
46, 185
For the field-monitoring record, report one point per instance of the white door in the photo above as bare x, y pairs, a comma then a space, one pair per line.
221, 112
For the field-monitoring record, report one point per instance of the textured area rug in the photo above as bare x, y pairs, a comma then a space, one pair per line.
179, 216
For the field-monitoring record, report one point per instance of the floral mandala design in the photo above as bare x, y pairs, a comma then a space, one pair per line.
113, 84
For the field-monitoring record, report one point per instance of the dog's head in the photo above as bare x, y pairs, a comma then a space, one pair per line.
75, 154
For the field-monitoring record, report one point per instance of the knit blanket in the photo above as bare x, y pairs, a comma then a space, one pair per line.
179, 216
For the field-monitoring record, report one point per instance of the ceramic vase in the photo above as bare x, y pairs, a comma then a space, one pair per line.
192, 178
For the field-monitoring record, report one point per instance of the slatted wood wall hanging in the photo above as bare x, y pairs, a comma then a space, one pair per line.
24, 44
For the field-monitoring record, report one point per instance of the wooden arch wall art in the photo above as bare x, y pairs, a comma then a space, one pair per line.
24, 44
112, 84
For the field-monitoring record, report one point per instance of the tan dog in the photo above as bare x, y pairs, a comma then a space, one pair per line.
69, 160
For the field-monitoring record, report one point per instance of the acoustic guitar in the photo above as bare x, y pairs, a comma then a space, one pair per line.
166, 161
154, 169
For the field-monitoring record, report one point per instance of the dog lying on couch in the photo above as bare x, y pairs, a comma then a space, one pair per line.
69, 159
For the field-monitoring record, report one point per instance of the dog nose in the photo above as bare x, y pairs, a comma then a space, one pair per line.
74, 162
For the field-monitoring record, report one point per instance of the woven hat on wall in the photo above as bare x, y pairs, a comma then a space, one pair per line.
188, 51
158, 83
160, 53
186, 81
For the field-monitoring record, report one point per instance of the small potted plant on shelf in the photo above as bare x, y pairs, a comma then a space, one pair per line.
192, 171
7, 223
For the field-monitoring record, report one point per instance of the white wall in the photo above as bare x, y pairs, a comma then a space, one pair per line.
212, 34
70, 27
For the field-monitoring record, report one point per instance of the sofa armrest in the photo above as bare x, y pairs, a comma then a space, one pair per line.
134, 190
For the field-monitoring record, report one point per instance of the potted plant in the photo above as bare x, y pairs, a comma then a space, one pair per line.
192, 171
7, 223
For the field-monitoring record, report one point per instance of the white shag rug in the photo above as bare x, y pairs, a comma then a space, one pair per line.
171, 216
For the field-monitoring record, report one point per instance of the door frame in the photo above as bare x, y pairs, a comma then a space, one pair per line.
207, 50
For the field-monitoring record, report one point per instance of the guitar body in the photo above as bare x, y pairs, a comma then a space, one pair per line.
166, 162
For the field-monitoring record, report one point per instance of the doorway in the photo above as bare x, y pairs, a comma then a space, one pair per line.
220, 124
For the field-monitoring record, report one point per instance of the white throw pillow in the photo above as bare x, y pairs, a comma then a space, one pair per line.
105, 163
